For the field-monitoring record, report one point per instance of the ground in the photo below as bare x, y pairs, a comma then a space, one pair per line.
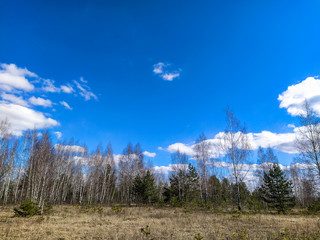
74, 222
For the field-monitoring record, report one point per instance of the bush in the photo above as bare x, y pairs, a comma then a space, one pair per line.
314, 208
146, 231
116, 209
198, 236
27, 209
47, 208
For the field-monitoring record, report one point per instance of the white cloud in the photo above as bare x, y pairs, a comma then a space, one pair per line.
170, 76
82, 80
158, 67
48, 86
65, 104
162, 69
12, 77
70, 148
58, 134
67, 88
149, 154
14, 99
170, 168
183, 148
38, 101
22, 118
85, 90
283, 142
162, 169
117, 158
294, 97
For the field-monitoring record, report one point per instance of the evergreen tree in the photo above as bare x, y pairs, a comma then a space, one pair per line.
138, 189
150, 188
145, 189
192, 186
277, 190
214, 190
184, 186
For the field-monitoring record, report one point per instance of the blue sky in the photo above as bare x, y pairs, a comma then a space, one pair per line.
212, 54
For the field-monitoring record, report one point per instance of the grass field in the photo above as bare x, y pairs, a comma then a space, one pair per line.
70, 222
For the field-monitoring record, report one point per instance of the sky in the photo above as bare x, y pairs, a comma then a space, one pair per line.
159, 72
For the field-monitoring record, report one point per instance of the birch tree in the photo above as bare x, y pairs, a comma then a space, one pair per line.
308, 139
202, 156
234, 147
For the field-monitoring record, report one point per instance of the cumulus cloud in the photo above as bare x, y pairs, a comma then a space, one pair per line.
38, 101
67, 88
170, 76
158, 67
22, 118
162, 70
283, 142
294, 97
14, 78
70, 148
149, 154
65, 104
170, 168
58, 134
18, 83
181, 147
14, 99
162, 169
84, 90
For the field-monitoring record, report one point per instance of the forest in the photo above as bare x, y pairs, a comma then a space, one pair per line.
34, 169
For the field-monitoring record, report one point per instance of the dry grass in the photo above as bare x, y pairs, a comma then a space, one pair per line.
69, 222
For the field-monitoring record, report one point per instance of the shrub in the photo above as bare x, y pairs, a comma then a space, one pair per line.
146, 231
116, 209
100, 209
27, 209
198, 236
47, 208
314, 208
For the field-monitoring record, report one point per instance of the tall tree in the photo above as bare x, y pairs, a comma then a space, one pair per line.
265, 160
202, 156
276, 190
308, 139
235, 148
130, 165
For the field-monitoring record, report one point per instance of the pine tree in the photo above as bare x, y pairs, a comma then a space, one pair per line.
150, 188
277, 190
192, 186
138, 189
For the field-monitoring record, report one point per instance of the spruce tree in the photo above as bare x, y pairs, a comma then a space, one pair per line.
150, 188
277, 190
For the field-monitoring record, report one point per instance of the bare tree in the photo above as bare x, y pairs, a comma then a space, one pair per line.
179, 169
308, 139
265, 160
235, 148
4, 156
202, 156
130, 165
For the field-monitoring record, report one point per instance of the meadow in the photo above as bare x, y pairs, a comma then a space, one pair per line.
76, 222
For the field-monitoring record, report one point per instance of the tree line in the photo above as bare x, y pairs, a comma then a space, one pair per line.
32, 168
